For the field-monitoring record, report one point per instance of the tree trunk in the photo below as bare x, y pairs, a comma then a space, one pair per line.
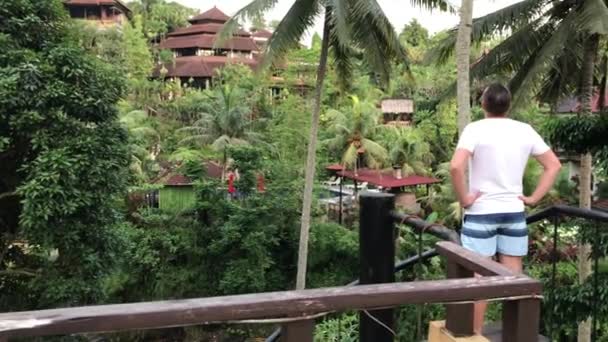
463, 53
310, 159
586, 94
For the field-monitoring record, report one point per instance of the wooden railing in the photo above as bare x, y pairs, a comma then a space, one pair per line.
296, 310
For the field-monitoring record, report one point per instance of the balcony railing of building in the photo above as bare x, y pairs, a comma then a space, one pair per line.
374, 297
591, 222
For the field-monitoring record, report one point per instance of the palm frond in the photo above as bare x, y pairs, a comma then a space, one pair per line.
430, 5
342, 57
198, 138
339, 23
300, 17
593, 17
510, 55
373, 33
349, 158
542, 60
509, 18
374, 149
254, 9
563, 78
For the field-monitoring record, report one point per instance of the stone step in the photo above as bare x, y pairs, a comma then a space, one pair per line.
493, 332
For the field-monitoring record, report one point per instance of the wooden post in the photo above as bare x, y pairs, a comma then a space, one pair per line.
520, 320
377, 260
298, 331
459, 320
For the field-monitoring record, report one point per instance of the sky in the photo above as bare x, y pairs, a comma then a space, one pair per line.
400, 12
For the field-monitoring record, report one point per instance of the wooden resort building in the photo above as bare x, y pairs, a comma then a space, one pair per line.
103, 13
397, 112
196, 60
177, 193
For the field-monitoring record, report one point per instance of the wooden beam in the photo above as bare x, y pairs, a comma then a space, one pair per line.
471, 261
459, 317
520, 320
151, 315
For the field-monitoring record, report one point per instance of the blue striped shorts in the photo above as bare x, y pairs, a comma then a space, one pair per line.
488, 234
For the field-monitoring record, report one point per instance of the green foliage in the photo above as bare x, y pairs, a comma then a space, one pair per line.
578, 134
160, 16
439, 129
137, 55
408, 150
226, 121
353, 131
343, 328
334, 255
175, 200
359, 24
58, 117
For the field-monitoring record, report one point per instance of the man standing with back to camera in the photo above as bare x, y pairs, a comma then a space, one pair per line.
496, 151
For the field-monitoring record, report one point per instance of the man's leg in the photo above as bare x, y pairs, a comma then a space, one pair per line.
479, 236
514, 263
479, 314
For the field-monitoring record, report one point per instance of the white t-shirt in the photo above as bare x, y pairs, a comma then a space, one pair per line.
500, 150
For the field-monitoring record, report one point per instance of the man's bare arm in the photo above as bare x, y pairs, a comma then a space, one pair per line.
458, 167
551, 166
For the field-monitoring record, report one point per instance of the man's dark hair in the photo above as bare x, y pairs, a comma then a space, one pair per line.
496, 99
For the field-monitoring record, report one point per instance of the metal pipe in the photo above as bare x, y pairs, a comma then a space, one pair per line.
420, 225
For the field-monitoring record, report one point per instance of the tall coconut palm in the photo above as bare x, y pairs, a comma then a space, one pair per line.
463, 55
550, 51
348, 25
354, 131
226, 122
585, 95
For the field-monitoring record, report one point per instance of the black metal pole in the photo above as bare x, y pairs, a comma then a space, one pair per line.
340, 201
554, 258
377, 260
595, 254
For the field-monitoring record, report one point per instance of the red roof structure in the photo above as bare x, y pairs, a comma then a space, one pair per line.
386, 179
196, 53
171, 178
211, 28
262, 34
178, 180
213, 15
334, 167
202, 66
207, 41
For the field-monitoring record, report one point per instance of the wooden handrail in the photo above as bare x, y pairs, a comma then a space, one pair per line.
520, 316
149, 315
471, 261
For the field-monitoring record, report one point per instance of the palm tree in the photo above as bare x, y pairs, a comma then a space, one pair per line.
551, 51
463, 55
348, 26
145, 141
353, 131
225, 123
408, 150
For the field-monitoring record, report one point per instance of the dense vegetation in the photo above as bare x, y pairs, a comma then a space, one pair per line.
85, 134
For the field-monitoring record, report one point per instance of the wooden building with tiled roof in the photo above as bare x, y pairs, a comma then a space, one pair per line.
196, 58
103, 13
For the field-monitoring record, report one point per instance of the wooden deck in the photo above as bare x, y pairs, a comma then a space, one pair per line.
493, 332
